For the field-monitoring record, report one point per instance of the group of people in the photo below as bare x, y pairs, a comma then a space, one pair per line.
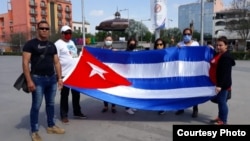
220, 73
46, 63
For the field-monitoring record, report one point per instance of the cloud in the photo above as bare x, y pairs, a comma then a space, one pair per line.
96, 13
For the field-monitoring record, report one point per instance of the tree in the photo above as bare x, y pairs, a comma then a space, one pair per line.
238, 20
100, 35
171, 36
17, 40
137, 29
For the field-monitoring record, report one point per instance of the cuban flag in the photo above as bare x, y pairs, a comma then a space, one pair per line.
167, 79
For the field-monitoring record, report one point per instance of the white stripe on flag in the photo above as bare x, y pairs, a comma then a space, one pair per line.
131, 92
164, 69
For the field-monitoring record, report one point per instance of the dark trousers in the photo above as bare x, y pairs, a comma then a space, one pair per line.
64, 104
195, 108
106, 104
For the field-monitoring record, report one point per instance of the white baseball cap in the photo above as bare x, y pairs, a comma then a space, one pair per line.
65, 28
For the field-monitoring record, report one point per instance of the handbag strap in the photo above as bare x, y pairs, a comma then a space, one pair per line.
42, 56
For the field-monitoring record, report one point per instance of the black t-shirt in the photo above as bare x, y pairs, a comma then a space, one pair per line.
36, 48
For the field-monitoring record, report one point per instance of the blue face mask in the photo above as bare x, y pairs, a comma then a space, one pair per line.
187, 38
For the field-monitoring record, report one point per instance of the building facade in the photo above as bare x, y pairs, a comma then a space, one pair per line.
191, 14
77, 27
23, 15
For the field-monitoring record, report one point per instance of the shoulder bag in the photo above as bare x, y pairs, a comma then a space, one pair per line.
21, 82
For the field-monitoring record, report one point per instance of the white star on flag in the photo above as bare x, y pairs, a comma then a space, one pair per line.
96, 70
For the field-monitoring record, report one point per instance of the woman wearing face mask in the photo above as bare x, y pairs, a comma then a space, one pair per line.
187, 41
108, 41
131, 46
108, 45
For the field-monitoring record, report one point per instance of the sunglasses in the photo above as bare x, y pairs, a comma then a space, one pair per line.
187, 34
43, 28
159, 44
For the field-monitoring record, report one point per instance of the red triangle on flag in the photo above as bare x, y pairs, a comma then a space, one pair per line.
92, 73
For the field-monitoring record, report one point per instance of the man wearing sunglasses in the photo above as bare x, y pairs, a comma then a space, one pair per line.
68, 57
41, 54
187, 41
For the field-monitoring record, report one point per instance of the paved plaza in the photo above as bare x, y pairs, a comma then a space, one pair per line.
143, 126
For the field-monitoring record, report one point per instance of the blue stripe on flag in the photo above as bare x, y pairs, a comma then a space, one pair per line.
153, 56
147, 104
170, 83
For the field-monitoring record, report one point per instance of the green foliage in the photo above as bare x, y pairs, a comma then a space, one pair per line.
54, 37
240, 55
137, 29
196, 36
171, 36
99, 36
17, 39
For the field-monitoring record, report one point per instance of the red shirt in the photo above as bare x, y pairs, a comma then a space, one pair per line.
213, 68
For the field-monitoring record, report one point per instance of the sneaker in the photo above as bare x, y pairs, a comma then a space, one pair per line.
219, 122
179, 112
55, 130
65, 120
130, 111
104, 110
80, 116
113, 110
215, 120
134, 109
36, 137
161, 112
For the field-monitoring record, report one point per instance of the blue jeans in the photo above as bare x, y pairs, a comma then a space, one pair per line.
45, 86
222, 105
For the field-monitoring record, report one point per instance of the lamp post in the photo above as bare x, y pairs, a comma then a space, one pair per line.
169, 20
128, 13
126, 9
202, 22
141, 26
83, 24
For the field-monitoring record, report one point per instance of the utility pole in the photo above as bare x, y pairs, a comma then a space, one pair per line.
83, 25
202, 22
141, 32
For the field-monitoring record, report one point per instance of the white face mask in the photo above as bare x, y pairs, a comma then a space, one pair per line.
108, 43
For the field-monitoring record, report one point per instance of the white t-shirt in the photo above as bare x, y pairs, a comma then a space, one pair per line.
67, 53
194, 43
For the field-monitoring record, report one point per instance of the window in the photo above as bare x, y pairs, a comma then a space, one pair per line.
33, 19
32, 11
43, 12
33, 28
42, 3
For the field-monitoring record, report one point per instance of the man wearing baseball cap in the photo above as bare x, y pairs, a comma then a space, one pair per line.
68, 57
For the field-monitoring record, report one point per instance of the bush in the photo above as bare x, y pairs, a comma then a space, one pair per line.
240, 55
13, 53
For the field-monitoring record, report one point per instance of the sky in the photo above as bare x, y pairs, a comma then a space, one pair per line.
96, 11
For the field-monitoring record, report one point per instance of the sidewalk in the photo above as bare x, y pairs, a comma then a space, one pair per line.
143, 126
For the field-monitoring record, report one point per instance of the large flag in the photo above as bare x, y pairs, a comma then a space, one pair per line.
168, 79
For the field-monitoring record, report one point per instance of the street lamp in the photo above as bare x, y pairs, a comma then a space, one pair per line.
83, 24
126, 9
141, 26
128, 13
169, 20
